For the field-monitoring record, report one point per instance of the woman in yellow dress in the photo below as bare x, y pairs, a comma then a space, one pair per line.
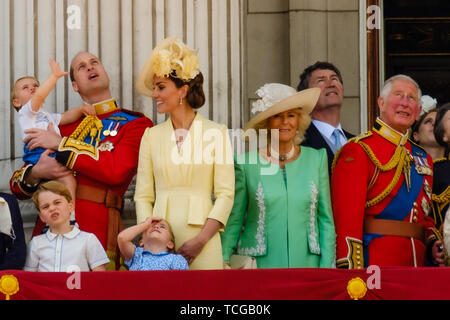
184, 160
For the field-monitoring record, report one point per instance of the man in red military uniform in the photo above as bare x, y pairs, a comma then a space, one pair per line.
381, 189
102, 152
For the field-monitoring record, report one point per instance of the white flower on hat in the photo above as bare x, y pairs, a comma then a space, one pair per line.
428, 103
270, 94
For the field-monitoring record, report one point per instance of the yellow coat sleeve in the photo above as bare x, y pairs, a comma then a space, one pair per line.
144, 195
223, 179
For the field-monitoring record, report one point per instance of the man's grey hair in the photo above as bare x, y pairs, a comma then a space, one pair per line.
388, 86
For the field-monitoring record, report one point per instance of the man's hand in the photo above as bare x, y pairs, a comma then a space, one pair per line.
438, 253
191, 249
47, 139
46, 168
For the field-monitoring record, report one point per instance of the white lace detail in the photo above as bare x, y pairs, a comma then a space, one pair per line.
312, 237
260, 239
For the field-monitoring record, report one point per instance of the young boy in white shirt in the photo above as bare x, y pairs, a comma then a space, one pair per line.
63, 246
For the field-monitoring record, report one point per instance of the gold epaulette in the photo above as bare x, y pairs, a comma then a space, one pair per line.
361, 136
441, 159
90, 126
442, 199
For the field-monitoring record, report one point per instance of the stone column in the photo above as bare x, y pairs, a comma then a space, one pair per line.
267, 45
328, 30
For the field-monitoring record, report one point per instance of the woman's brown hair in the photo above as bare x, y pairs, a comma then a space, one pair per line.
195, 96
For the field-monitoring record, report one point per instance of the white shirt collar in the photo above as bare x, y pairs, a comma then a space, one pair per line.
326, 129
69, 235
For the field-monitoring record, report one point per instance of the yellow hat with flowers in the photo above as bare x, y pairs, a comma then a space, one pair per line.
170, 57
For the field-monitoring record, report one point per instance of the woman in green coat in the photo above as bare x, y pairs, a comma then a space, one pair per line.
282, 212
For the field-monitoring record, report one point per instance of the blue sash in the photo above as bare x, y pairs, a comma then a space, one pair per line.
401, 205
112, 121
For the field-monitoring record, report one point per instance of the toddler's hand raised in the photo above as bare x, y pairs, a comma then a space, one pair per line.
151, 221
56, 69
88, 110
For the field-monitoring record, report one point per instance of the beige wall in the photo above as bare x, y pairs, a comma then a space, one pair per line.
286, 36
122, 33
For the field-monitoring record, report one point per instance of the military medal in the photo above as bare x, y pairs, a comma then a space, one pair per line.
425, 206
115, 130
428, 190
106, 146
422, 166
107, 132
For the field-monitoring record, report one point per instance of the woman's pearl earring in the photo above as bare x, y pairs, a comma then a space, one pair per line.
181, 100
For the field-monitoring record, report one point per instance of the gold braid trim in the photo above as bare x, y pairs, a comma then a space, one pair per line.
388, 189
336, 156
374, 178
442, 159
399, 160
442, 199
90, 126
395, 160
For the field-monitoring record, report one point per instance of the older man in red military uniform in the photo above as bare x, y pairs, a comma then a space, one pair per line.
102, 152
381, 189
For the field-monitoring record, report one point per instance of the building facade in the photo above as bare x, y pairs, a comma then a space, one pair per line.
242, 44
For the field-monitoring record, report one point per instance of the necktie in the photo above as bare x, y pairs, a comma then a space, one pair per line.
337, 140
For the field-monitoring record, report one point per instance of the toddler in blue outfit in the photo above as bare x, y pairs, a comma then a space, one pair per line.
156, 252
28, 97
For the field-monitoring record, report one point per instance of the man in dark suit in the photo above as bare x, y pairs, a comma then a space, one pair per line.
12, 238
325, 130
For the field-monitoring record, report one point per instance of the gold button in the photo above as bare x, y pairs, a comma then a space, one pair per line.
415, 219
415, 204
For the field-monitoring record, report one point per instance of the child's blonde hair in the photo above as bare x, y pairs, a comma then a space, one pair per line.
172, 237
13, 89
54, 187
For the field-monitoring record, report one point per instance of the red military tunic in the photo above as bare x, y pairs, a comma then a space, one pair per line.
370, 180
106, 170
